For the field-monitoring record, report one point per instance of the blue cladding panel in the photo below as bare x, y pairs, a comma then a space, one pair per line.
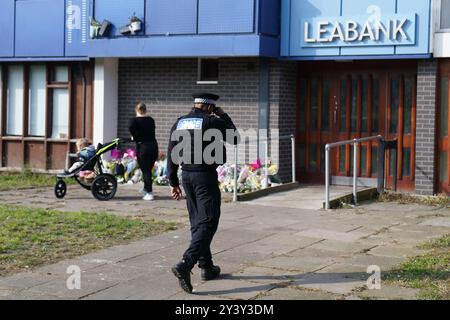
39, 34
77, 27
308, 9
270, 17
171, 16
180, 46
422, 7
226, 16
355, 8
118, 12
285, 27
7, 28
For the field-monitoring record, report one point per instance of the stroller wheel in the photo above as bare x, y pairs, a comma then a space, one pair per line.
60, 189
104, 187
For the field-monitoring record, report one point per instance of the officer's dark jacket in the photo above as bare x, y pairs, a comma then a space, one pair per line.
197, 120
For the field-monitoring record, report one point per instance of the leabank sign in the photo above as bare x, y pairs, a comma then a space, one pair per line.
396, 30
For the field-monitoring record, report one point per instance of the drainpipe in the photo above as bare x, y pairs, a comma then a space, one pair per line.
83, 119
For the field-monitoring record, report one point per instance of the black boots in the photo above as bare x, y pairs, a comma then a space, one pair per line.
210, 273
183, 272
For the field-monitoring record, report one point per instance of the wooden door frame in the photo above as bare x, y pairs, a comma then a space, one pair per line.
442, 143
336, 71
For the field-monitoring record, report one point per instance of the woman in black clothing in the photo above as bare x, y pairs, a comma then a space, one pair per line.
142, 129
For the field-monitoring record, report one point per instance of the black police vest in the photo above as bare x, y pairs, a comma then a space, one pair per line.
196, 124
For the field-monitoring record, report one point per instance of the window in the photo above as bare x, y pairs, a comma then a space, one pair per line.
444, 15
60, 101
60, 121
395, 103
343, 112
37, 97
15, 101
314, 113
208, 71
60, 74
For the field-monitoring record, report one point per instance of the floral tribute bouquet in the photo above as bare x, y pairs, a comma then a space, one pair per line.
251, 177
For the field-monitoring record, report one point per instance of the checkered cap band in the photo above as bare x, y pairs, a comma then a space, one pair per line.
204, 101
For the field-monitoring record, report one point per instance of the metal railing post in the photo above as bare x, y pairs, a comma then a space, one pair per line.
395, 173
266, 155
355, 172
235, 173
381, 166
293, 158
355, 143
327, 177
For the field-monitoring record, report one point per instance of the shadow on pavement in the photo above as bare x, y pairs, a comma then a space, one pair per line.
286, 280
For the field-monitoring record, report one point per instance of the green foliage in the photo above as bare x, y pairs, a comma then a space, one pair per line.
430, 273
24, 180
402, 198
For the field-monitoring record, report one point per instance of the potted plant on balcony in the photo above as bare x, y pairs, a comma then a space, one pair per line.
94, 27
135, 24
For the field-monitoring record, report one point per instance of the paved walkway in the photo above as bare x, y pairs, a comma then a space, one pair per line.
265, 252
304, 197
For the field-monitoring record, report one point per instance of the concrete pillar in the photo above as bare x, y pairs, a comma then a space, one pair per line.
106, 92
427, 74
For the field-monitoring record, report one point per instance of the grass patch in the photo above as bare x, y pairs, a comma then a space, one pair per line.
26, 180
435, 201
34, 237
430, 273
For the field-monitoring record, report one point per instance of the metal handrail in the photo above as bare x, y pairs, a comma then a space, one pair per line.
355, 143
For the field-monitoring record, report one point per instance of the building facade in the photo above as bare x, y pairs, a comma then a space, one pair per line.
324, 70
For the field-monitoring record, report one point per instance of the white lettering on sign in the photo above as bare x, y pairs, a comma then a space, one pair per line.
352, 31
372, 29
190, 124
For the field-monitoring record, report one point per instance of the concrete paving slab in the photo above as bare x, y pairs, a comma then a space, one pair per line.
304, 197
265, 275
388, 292
332, 235
234, 289
396, 251
437, 222
298, 294
344, 247
366, 260
146, 287
300, 264
337, 283
89, 285
25, 280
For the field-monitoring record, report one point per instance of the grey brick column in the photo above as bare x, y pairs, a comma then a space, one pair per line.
283, 108
426, 126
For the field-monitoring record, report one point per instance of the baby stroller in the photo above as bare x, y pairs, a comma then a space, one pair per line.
104, 185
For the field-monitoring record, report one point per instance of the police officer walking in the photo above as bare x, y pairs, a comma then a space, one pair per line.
199, 179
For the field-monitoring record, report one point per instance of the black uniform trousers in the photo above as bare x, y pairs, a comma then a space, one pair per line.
203, 202
147, 153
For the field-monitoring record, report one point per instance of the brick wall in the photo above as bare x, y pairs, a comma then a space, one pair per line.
426, 127
283, 84
166, 86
